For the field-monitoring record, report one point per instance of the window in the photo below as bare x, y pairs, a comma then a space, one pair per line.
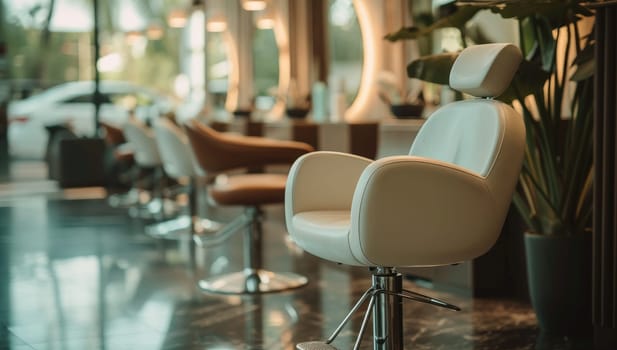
79, 99
217, 65
131, 100
87, 98
265, 68
345, 48
195, 60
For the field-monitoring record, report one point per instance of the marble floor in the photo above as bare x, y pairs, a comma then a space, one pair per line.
78, 274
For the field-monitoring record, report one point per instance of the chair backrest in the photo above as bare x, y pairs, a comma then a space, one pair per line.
209, 148
481, 135
141, 138
215, 152
113, 135
174, 149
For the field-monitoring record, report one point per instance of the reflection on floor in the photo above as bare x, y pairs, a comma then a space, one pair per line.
77, 274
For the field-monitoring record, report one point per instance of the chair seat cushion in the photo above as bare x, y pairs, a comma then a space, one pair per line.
249, 189
124, 155
325, 234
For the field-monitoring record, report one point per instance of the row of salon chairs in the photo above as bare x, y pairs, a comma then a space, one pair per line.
442, 204
195, 151
138, 164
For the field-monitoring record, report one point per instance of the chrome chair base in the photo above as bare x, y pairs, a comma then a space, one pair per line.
156, 208
385, 298
173, 229
252, 279
256, 282
181, 227
124, 200
315, 345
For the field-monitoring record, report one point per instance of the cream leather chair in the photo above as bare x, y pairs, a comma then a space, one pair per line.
146, 154
142, 140
179, 164
442, 204
218, 154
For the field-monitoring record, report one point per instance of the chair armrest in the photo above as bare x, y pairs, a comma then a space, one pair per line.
323, 181
436, 212
264, 150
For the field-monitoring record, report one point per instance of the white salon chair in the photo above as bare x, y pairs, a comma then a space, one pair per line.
146, 154
442, 204
179, 164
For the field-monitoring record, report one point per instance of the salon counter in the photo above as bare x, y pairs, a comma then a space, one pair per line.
369, 139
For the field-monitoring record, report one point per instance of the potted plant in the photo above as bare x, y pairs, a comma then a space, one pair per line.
402, 106
554, 196
297, 105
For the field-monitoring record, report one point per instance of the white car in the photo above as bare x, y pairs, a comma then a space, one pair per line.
71, 104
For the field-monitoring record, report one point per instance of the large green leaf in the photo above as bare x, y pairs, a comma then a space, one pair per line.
527, 38
558, 12
529, 79
479, 35
584, 70
457, 20
526, 8
434, 68
586, 54
585, 63
546, 42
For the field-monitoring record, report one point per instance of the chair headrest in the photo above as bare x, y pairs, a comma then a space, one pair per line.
485, 70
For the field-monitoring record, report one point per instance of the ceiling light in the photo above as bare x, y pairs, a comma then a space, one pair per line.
265, 20
216, 23
133, 36
253, 5
265, 23
177, 19
154, 31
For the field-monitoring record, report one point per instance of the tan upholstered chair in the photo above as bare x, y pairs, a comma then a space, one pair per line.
217, 153
442, 204
141, 138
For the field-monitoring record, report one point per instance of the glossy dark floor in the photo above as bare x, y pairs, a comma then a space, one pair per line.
77, 274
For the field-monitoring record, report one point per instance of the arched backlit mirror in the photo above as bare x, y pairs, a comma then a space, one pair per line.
265, 62
345, 47
195, 59
217, 71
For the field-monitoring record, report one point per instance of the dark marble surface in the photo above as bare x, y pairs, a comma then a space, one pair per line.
77, 274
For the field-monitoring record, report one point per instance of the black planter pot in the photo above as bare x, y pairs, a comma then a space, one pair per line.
297, 113
559, 272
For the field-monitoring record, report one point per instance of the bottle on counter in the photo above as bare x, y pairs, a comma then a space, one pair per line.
338, 101
319, 96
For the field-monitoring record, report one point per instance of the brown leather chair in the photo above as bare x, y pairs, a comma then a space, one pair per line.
217, 153
114, 136
123, 166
